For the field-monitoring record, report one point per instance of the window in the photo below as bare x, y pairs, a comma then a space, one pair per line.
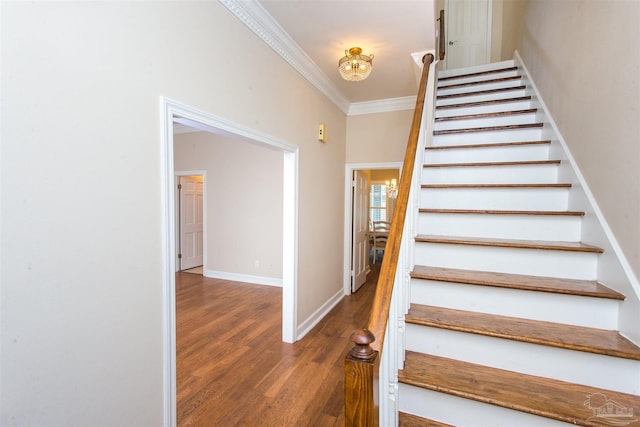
378, 202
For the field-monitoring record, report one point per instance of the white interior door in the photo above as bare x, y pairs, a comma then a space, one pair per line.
191, 195
468, 28
360, 221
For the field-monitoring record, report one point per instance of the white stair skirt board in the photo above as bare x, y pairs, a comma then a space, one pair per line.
478, 87
525, 227
462, 412
509, 153
481, 78
534, 262
492, 174
612, 373
510, 135
488, 108
590, 312
551, 199
479, 97
471, 123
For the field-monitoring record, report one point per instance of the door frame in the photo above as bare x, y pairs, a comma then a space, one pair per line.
177, 175
171, 111
348, 213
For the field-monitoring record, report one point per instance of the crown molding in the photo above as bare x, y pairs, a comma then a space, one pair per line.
382, 105
258, 20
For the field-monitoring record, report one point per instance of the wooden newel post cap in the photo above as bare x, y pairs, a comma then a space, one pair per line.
361, 349
424, 58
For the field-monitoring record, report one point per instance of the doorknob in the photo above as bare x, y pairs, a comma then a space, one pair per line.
452, 42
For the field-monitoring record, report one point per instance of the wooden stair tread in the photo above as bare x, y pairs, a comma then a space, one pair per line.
480, 82
481, 103
500, 212
410, 420
481, 92
488, 129
487, 115
540, 396
587, 288
476, 164
479, 73
490, 145
561, 185
578, 338
511, 243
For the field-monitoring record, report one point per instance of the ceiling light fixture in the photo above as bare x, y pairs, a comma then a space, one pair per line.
354, 66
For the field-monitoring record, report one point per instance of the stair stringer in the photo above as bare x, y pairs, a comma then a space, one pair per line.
614, 269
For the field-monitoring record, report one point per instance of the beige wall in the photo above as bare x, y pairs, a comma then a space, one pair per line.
244, 201
378, 137
81, 250
511, 20
584, 57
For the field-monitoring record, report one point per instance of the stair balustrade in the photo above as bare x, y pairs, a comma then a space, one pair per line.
371, 367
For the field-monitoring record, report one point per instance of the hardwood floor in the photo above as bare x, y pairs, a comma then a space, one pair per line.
234, 370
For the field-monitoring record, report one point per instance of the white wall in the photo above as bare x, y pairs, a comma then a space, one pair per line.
81, 250
244, 202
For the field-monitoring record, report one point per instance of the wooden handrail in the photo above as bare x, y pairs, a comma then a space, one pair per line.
361, 364
382, 299
441, 37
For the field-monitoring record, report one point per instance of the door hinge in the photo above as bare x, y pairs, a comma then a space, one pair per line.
179, 256
179, 186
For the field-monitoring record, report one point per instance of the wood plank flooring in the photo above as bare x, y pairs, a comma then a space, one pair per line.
234, 370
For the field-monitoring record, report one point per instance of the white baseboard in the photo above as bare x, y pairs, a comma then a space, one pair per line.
246, 278
318, 315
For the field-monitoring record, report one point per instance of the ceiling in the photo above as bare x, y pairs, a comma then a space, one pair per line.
390, 29
312, 35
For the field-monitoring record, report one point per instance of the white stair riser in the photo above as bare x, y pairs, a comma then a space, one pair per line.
514, 93
610, 373
480, 78
495, 66
492, 174
485, 137
508, 120
550, 199
463, 412
479, 87
511, 153
535, 262
479, 109
530, 227
576, 310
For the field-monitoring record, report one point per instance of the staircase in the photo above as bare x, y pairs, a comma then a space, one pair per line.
508, 324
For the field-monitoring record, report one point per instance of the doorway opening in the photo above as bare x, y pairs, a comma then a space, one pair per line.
360, 180
174, 112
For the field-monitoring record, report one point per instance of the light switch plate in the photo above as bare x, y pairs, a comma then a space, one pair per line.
322, 132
